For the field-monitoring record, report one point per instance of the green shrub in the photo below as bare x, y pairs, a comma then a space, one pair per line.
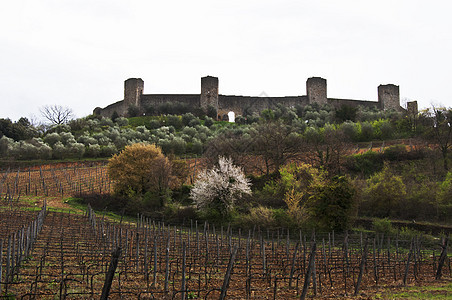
153, 200
268, 191
195, 122
395, 153
366, 163
92, 150
384, 195
121, 121
134, 205
104, 201
187, 118
175, 121
367, 132
52, 139
445, 190
408, 233
176, 214
150, 110
382, 226
386, 130
333, 204
283, 219
268, 114
258, 216
174, 146
250, 119
421, 202
196, 147
59, 151
346, 113
182, 195
153, 124
212, 112
108, 150
208, 121
240, 120
190, 131
214, 216
133, 111
298, 125
350, 130
259, 182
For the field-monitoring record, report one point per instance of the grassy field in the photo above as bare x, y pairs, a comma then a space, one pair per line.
434, 290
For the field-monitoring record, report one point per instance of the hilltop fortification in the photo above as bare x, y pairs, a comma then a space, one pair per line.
210, 98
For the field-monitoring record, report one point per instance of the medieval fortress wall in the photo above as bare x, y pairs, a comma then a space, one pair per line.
316, 92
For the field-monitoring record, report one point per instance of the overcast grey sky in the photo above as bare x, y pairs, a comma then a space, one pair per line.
77, 53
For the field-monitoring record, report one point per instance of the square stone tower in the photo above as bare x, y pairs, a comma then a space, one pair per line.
412, 108
389, 96
133, 89
316, 90
209, 92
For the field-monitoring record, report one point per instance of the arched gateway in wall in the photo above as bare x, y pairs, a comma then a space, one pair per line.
211, 99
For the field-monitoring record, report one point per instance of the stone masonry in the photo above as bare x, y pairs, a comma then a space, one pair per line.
316, 92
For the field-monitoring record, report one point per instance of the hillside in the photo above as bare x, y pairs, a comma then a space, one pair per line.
391, 161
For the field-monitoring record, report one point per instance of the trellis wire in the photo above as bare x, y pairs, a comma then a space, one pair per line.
193, 261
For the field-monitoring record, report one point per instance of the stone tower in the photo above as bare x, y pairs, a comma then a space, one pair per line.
412, 108
133, 89
389, 96
316, 90
209, 92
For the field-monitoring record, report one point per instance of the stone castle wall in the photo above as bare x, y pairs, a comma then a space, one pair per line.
337, 103
118, 107
241, 105
316, 90
154, 100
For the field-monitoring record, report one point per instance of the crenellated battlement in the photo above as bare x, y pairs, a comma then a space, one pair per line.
209, 98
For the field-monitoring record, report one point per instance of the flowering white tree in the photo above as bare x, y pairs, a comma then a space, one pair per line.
220, 186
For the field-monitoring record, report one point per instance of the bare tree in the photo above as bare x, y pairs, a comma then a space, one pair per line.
326, 148
267, 146
440, 133
57, 114
229, 144
277, 143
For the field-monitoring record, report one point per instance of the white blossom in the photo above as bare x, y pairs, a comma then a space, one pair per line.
220, 186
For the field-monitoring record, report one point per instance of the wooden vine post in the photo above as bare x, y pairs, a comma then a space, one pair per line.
111, 272
442, 258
